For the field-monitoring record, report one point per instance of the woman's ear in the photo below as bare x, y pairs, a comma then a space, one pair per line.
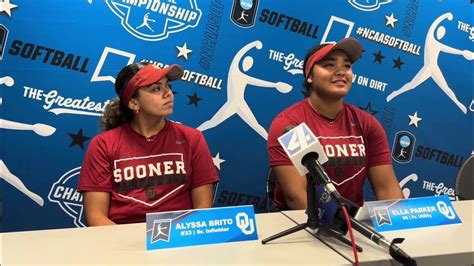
133, 105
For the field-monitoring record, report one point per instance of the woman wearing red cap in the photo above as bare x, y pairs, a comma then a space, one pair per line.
353, 140
143, 162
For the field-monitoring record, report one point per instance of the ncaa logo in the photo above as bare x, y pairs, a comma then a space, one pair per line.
161, 230
382, 215
64, 193
403, 146
153, 20
243, 13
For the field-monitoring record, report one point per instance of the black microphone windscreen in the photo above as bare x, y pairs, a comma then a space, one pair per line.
288, 128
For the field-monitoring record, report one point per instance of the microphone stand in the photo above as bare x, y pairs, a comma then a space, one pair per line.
316, 170
313, 220
395, 251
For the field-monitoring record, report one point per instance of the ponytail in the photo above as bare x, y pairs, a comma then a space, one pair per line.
115, 114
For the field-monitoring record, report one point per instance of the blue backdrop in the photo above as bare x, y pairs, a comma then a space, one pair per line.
59, 60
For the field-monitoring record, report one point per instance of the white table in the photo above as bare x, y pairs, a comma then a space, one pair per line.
125, 245
440, 245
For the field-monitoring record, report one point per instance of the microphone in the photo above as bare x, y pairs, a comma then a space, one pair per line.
299, 141
288, 128
307, 155
330, 213
310, 160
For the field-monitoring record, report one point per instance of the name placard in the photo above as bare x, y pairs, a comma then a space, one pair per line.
389, 215
200, 226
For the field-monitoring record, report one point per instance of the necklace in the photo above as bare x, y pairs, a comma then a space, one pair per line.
151, 139
324, 118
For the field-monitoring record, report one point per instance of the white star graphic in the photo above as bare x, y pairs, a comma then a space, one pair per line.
217, 161
6, 7
391, 20
414, 119
183, 51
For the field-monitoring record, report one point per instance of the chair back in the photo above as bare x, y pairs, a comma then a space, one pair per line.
271, 182
465, 180
215, 186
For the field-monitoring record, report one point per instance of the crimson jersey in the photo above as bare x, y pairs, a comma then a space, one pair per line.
353, 142
147, 175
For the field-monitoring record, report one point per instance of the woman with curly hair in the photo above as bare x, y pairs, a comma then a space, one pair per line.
143, 162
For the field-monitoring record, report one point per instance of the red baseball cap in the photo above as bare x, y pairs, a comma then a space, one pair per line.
351, 46
147, 76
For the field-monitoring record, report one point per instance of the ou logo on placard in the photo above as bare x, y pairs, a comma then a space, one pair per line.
245, 224
445, 210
